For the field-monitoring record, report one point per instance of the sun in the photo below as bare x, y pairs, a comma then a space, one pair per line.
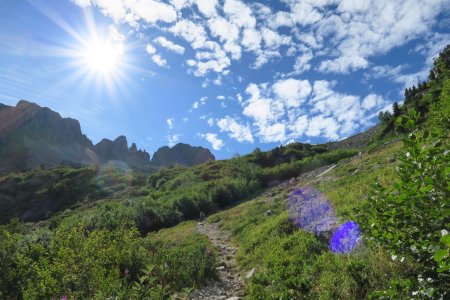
102, 56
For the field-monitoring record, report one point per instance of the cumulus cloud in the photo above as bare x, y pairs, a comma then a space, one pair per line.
157, 59
239, 13
216, 143
239, 132
292, 92
170, 123
150, 49
292, 108
342, 35
135, 11
162, 41
361, 30
193, 33
322, 36
207, 7
173, 139
302, 62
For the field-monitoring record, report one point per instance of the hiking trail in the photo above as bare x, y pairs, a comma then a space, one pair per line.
229, 284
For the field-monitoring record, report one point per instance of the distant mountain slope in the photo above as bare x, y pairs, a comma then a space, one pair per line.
117, 151
32, 136
182, 154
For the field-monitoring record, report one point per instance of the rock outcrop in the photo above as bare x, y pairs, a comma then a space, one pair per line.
117, 151
31, 136
182, 154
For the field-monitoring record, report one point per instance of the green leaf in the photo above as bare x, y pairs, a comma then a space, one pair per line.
445, 239
440, 254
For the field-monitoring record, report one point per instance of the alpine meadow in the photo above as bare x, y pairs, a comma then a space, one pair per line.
322, 169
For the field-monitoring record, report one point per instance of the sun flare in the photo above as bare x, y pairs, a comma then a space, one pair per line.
102, 56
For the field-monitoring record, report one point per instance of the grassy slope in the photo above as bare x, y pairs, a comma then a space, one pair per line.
293, 263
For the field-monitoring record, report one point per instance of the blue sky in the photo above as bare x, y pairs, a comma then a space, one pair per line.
228, 75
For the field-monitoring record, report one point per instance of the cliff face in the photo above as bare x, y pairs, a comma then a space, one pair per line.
182, 154
117, 150
31, 135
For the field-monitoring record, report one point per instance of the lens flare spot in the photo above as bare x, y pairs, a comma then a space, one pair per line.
310, 210
345, 238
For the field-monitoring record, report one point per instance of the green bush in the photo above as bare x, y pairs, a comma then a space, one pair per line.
410, 219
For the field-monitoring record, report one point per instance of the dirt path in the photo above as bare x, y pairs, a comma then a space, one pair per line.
229, 284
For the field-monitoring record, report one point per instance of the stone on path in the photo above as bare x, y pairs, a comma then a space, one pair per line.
250, 273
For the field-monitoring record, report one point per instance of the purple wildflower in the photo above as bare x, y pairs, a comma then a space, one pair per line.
64, 297
310, 210
345, 238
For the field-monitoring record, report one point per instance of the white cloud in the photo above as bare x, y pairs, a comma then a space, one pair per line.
216, 143
273, 40
272, 133
214, 58
207, 7
220, 97
157, 59
200, 101
292, 92
251, 39
302, 62
408, 80
82, 3
280, 19
179, 4
359, 30
162, 41
150, 49
304, 13
373, 100
172, 139
239, 132
228, 33
239, 13
298, 126
170, 123
262, 109
320, 125
384, 71
291, 108
191, 32
134, 11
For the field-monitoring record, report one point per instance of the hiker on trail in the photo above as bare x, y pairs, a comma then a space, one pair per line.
202, 215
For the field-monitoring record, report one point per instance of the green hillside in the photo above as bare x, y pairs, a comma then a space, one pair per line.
90, 233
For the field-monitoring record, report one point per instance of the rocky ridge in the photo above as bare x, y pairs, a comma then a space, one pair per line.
32, 136
182, 154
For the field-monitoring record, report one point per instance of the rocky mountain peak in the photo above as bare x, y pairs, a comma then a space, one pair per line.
31, 136
182, 154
